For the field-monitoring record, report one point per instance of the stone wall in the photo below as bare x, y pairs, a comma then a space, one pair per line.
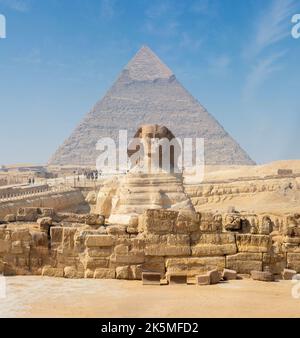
57, 200
162, 241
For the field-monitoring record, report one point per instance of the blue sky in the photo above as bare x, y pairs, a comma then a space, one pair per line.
237, 58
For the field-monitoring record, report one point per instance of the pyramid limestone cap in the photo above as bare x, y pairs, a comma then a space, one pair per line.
146, 66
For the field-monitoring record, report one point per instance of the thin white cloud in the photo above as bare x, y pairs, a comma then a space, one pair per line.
264, 51
260, 72
272, 26
17, 5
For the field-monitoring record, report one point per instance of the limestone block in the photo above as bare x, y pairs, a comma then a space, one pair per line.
229, 274
94, 263
186, 223
121, 249
135, 272
56, 234
89, 273
176, 278
21, 234
116, 230
253, 243
45, 223
291, 240
48, 212
151, 278
105, 273
10, 218
16, 248
68, 241
293, 261
158, 221
275, 261
214, 276
70, 272
5, 246
203, 279
99, 240
264, 276
210, 222
137, 243
8, 269
52, 272
168, 245
218, 244
99, 251
39, 239
193, 266
28, 214
244, 262
122, 272
288, 274
133, 257
232, 222
94, 219
4, 234
154, 264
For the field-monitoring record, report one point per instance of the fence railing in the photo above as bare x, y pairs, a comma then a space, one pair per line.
11, 196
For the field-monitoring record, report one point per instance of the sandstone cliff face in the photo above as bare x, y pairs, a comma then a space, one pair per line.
147, 92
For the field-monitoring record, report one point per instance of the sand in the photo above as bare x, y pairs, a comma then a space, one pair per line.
55, 297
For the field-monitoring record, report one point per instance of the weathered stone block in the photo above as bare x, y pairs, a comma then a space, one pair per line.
253, 243
70, 272
154, 264
116, 230
203, 279
122, 272
158, 221
136, 272
151, 278
94, 219
167, 245
21, 234
214, 276
99, 240
288, 274
5, 246
56, 234
176, 278
264, 276
105, 273
28, 214
10, 218
68, 241
244, 262
133, 257
210, 222
89, 273
293, 261
44, 223
229, 274
52, 272
215, 245
94, 263
16, 248
99, 251
193, 266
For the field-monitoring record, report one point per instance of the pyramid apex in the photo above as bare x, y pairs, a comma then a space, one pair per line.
147, 66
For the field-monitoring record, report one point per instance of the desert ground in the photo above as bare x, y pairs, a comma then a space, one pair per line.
56, 297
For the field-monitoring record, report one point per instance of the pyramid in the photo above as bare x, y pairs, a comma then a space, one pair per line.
147, 92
